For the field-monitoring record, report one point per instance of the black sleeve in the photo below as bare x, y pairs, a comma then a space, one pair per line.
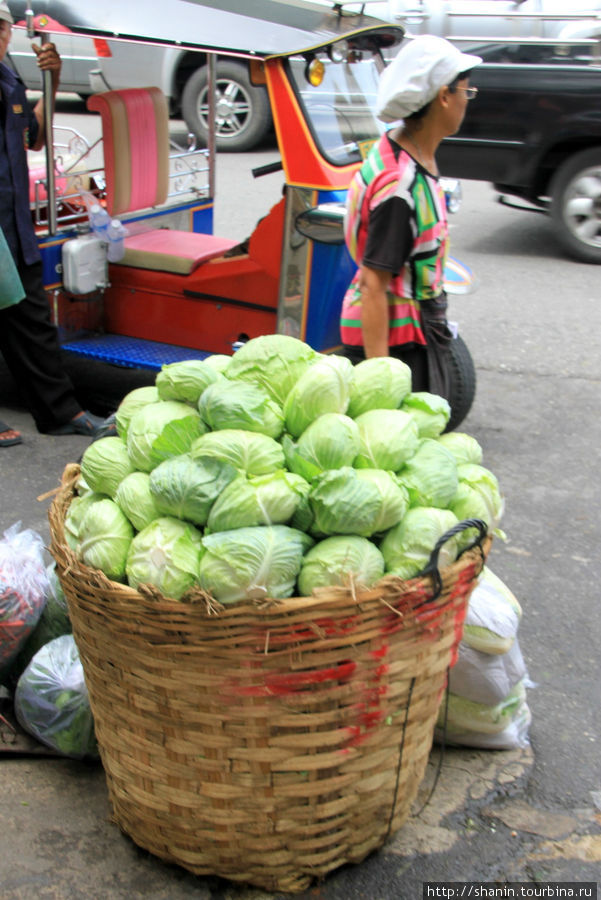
389, 236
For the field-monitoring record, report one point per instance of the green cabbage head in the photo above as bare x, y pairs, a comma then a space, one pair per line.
348, 560
186, 488
323, 388
464, 447
166, 554
134, 497
388, 439
105, 537
431, 412
185, 380
104, 464
240, 405
131, 403
74, 517
270, 499
430, 475
330, 442
381, 382
407, 547
248, 451
275, 362
356, 501
252, 563
160, 430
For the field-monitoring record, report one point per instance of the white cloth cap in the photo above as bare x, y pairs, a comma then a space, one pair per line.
5, 12
416, 74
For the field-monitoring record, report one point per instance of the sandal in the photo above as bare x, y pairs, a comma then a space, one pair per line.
8, 436
87, 424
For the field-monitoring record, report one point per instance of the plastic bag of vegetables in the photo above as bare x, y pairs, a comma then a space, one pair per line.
51, 700
23, 590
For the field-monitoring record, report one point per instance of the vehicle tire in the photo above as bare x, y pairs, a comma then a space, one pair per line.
576, 205
463, 382
243, 114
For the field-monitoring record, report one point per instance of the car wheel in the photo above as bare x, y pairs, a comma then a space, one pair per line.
243, 115
576, 205
463, 382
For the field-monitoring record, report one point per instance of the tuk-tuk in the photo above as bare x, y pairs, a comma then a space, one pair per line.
171, 289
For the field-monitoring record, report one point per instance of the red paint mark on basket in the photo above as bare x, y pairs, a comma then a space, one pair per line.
284, 683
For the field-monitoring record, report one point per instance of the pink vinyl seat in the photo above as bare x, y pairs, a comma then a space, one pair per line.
135, 128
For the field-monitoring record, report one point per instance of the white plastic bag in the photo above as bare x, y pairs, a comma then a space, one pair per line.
23, 590
51, 700
493, 615
486, 677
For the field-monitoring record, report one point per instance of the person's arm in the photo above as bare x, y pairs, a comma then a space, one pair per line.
373, 284
48, 60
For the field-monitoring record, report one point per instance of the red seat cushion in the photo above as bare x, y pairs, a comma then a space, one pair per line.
173, 251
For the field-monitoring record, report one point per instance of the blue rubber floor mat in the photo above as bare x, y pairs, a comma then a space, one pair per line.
131, 352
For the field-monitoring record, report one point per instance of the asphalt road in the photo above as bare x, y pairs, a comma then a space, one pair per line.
534, 329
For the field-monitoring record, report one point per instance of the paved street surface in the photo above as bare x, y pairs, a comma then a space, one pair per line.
531, 814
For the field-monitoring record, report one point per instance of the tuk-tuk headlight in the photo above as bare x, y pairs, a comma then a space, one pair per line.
315, 71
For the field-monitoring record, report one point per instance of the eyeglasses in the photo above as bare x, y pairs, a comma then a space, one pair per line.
470, 92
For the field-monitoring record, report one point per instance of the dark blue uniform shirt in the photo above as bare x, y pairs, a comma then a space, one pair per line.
18, 132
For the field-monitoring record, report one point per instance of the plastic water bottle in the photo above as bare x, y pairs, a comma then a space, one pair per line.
116, 235
99, 221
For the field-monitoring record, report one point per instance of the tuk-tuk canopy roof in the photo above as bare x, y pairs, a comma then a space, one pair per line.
260, 28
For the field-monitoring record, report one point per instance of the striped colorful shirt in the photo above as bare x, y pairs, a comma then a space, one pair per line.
396, 221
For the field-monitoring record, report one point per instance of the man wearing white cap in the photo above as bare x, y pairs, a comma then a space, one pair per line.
395, 226
28, 339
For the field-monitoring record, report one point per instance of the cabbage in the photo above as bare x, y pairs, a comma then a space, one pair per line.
74, 516
131, 403
252, 563
186, 488
388, 438
323, 388
330, 442
483, 499
468, 716
104, 464
430, 475
218, 361
240, 405
340, 560
356, 501
160, 430
270, 499
273, 361
431, 412
407, 547
381, 382
185, 380
134, 497
105, 536
167, 554
248, 451
464, 447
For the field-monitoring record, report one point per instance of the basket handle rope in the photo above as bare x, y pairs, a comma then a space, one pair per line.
431, 567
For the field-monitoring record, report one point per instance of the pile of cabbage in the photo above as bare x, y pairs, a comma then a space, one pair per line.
275, 472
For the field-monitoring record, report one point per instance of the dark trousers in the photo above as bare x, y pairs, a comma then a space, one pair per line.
413, 355
29, 344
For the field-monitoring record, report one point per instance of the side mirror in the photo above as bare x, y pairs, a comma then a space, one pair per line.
323, 223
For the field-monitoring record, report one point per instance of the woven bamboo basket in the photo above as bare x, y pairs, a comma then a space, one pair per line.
264, 743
